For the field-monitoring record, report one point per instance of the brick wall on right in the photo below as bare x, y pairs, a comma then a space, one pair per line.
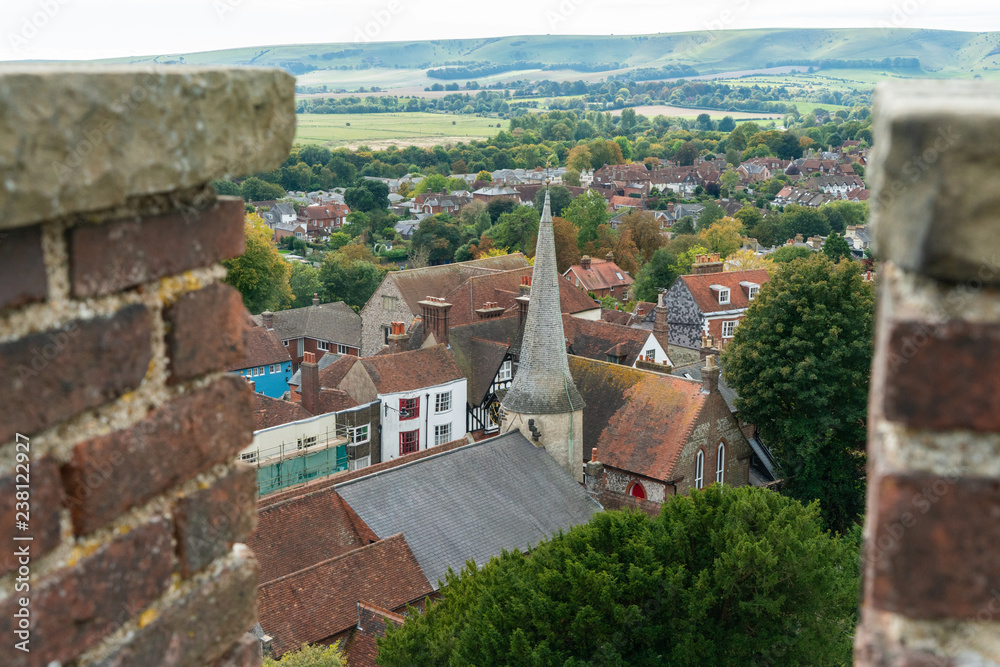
932, 536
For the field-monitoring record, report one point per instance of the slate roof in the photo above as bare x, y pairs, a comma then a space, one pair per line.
640, 421
261, 348
602, 274
335, 322
596, 339
323, 362
409, 371
321, 601
299, 532
415, 285
473, 502
708, 300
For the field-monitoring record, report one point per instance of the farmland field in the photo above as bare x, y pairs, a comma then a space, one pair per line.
401, 129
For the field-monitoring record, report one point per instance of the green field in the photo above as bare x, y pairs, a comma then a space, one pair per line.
403, 129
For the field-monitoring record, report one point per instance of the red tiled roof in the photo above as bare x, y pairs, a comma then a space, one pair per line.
325, 211
321, 601
708, 299
617, 201
503, 289
262, 348
299, 532
596, 339
335, 400
408, 371
645, 420
332, 375
602, 274
268, 412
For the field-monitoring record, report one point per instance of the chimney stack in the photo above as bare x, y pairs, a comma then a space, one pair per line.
707, 264
434, 313
610, 257
267, 317
660, 327
489, 310
709, 376
585, 262
525, 287
315, 299
398, 338
310, 383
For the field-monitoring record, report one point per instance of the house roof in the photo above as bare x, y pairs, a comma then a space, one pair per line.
602, 274
479, 348
596, 339
323, 362
729, 394
707, 298
261, 348
415, 285
321, 601
472, 502
268, 412
335, 322
325, 211
409, 371
639, 421
299, 532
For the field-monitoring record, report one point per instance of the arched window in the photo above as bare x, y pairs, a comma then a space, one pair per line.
720, 463
636, 490
699, 470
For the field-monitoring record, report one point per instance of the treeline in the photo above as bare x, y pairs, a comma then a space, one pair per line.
482, 102
667, 72
488, 69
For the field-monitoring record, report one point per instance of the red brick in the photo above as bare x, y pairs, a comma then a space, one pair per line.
933, 554
22, 267
111, 474
73, 609
55, 374
45, 500
211, 520
121, 254
201, 626
935, 375
205, 331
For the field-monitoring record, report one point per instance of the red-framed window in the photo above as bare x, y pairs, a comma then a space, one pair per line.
409, 442
409, 408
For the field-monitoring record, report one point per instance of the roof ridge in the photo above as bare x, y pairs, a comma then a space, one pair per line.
352, 552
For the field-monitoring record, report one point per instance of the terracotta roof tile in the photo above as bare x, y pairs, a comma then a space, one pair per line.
262, 348
602, 274
596, 339
708, 300
332, 375
503, 289
417, 284
268, 412
318, 602
408, 371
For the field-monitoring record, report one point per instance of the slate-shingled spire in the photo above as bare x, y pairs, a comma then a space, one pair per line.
543, 384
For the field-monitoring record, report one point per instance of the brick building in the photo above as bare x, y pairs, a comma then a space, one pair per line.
601, 276
319, 329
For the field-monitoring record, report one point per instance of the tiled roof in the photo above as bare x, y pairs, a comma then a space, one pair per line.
332, 374
639, 421
617, 201
409, 371
596, 339
321, 601
417, 284
325, 212
480, 358
335, 322
299, 532
268, 412
620, 317
708, 299
262, 348
473, 502
729, 395
323, 362
602, 274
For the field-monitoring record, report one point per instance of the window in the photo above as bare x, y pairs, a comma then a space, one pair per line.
442, 402
358, 434
728, 328
505, 371
323, 345
388, 302
724, 295
273, 368
651, 354
699, 470
385, 334
342, 349
256, 371
442, 434
285, 343
636, 490
409, 442
409, 408
358, 464
249, 457
720, 463
753, 292
304, 443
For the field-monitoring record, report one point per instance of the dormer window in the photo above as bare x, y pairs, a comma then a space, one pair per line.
751, 288
722, 292
752, 292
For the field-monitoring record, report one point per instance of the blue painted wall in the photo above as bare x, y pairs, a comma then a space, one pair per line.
270, 384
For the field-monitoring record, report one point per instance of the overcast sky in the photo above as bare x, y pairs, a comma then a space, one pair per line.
86, 29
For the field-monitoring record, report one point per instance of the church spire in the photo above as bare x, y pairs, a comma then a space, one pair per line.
543, 384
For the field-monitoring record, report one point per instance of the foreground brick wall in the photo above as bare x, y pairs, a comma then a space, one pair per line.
118, 426
932, 554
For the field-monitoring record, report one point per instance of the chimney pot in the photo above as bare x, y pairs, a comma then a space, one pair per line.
267, 317
610, 257
315, 299
585, 262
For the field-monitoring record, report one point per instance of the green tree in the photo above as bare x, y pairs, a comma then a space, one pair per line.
254, 189
440, 236
787, 253
686, 154
724, 236
659, 273
304, 282
800, 364
587, 212
728, 181
835, 247
559, 199
803, 220
626, 147
260, 273
352, 281
226, 188
516, 230
683, 226
711, 213
572, 177
498, 207
727, 124
734, 576
628, 120
310, 656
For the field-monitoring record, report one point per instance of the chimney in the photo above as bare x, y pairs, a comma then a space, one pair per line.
315, 299
594, 475
253, 386
310, 383
709, 376
434, 313
268, 319
660, 328
585, 262
525, 287
398, 338
610, 257
708, 348
707, 264
490, 309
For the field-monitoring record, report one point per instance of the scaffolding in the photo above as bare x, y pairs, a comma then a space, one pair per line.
305, 459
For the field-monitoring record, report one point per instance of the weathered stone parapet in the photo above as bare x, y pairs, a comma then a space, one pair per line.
932, 560
118, 426
77, 139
